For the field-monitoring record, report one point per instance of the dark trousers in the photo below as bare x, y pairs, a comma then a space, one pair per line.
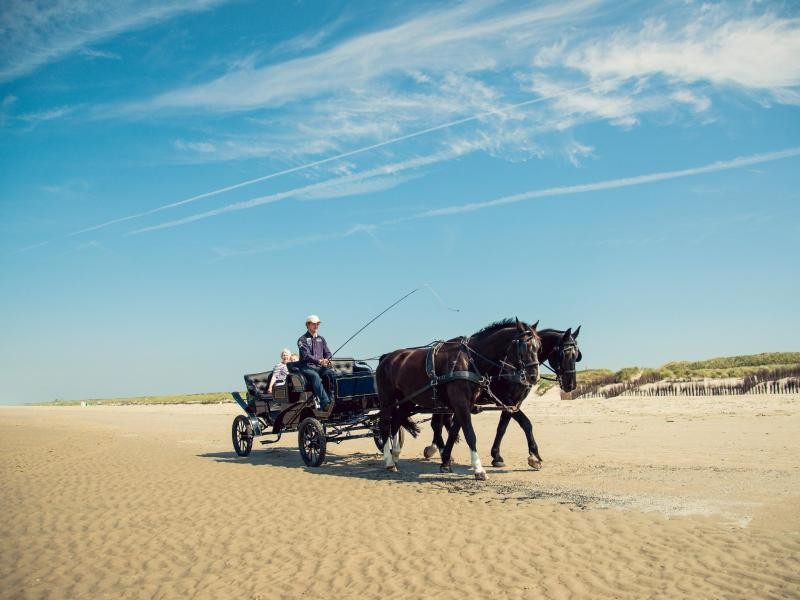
314, 377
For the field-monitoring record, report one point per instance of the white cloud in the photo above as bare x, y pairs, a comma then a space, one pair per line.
203, 147
5, 107
308, 41
461, 70
34, 35
697, 102
572, 107
575, 151
462, 39
47, 115
754, 52
92, 53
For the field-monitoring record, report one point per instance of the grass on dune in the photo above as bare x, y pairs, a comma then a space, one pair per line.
207, 398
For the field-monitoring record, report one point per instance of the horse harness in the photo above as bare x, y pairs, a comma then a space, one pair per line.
515, 374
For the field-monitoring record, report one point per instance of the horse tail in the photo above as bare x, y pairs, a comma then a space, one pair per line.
409, 425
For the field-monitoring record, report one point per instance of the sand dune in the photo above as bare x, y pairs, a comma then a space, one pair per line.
638, 498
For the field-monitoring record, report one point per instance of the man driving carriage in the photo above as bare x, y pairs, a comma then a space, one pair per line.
315, 360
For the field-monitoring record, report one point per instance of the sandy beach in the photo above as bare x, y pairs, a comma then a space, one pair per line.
638, 498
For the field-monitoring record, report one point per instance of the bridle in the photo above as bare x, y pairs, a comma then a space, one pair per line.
520, 373
558, 370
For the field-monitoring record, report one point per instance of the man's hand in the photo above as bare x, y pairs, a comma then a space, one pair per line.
325, 362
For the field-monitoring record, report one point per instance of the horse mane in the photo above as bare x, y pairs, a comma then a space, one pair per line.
502, 324
558, 331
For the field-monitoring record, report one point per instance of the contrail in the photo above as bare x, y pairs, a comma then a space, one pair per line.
316, 163
723, 165
382, 171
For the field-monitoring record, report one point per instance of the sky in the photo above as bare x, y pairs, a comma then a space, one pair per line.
182, 183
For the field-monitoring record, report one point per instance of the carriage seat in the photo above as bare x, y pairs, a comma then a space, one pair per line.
258, 383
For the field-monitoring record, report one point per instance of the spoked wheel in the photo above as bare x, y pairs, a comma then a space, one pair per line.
376, 436
242, 434
312, 442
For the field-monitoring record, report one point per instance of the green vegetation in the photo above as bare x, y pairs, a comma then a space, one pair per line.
714, 368
207, 398
751, 369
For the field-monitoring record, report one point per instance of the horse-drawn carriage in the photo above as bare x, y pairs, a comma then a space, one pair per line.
352, 414
493, 369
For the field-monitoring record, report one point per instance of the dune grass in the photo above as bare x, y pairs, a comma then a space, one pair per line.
752, 369
206, 398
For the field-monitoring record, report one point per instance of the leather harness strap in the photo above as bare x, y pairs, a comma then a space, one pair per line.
482, 381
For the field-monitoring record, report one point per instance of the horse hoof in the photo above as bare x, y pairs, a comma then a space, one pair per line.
534, 463
430, 451
392, 469
480, 475
498, 462
445, 469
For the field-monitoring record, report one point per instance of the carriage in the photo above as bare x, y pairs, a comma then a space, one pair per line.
352, 413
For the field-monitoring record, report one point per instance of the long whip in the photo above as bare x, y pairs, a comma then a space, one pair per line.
374, 319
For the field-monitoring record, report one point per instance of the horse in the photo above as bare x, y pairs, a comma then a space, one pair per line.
560, 350
451, 376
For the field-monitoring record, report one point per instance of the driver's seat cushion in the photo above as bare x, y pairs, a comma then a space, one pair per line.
343, 366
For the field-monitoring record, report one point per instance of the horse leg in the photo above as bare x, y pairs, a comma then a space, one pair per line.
534, 460
438, 422
385, 421
436, 444
398, 417
497, 460
464, 417
391, 447
447, 452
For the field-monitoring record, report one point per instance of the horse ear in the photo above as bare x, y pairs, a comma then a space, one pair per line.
535, 325
519, 325
566, 334
577, 331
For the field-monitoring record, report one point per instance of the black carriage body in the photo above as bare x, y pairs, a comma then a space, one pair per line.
354, 395
353, 412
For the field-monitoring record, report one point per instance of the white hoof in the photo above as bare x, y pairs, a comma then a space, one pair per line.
392, 469
430, 451
534, 463
480, 475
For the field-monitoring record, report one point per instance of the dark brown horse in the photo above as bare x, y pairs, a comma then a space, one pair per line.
560, 350
452, 379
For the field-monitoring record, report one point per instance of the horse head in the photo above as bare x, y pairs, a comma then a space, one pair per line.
563, 358
527, 344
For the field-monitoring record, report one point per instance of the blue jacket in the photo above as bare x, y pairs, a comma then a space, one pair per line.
312, 350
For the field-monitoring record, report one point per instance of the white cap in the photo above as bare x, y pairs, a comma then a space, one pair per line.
312, 319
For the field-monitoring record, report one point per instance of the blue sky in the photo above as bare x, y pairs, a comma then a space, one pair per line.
181, 184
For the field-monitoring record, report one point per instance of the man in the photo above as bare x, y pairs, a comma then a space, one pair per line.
315, 359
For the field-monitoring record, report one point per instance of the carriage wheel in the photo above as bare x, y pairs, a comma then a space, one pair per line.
242, 434
312, 442
376, 436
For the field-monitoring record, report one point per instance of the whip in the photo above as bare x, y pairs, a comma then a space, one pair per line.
391, 306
